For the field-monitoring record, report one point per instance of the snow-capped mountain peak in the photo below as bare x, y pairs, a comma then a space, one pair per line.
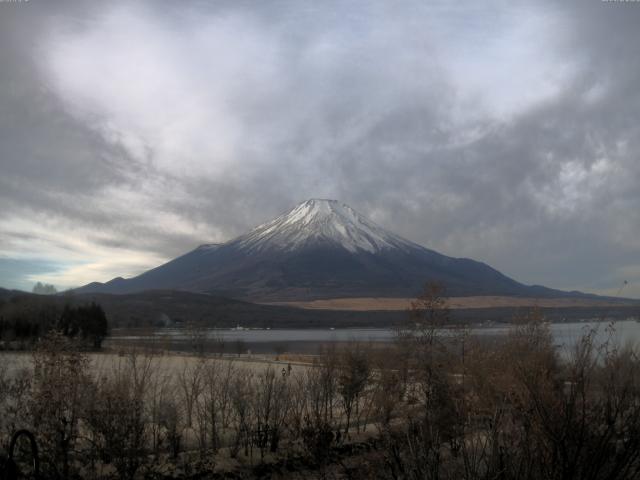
322, 221
319, 249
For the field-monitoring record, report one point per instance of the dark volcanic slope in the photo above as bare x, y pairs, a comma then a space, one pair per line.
320, 249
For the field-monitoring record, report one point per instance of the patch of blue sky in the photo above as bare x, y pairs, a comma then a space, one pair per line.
18, 273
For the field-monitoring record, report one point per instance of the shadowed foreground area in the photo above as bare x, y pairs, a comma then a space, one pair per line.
422, 407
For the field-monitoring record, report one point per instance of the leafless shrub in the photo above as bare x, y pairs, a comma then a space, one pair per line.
15, 390
116, 420
190, 384
270, 405
386, 394
241, 395
516, 409
354, 373
160, 397
196, 336
170, 420
60, 380
298, 404
215, 403
239, 347
322, 388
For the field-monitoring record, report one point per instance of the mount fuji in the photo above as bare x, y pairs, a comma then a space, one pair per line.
320, 249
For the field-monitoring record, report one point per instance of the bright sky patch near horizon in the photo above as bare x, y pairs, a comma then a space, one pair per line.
507, 132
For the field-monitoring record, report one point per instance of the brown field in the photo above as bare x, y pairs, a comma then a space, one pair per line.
393, 304
170, 363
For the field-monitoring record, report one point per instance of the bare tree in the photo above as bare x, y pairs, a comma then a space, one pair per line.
216, 401
160, 396
241, 394
298, 404
386, 394
270, 406
171, 421
190, 384
60, 379
354, 373
197, 336
116, 417
15, 389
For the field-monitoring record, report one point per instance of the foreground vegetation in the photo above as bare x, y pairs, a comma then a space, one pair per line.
428, 407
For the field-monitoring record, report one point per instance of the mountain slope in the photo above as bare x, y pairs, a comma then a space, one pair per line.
320, 249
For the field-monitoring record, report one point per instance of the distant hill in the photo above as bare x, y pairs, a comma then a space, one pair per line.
156, 308
178, 308
6, 294
321, 249
167, 308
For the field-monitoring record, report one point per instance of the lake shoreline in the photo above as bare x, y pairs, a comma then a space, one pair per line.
308, 341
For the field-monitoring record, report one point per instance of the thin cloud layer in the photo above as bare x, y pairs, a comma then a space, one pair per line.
508, 133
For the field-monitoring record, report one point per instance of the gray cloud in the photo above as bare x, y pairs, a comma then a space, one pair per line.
506, 133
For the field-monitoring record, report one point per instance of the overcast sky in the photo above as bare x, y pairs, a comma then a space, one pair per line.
504, 131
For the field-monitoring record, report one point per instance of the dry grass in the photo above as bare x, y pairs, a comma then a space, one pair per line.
393, 304
170, 364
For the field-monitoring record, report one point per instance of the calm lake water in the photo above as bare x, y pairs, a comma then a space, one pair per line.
305, 340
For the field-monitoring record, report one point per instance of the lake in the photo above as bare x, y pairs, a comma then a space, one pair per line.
308, 340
